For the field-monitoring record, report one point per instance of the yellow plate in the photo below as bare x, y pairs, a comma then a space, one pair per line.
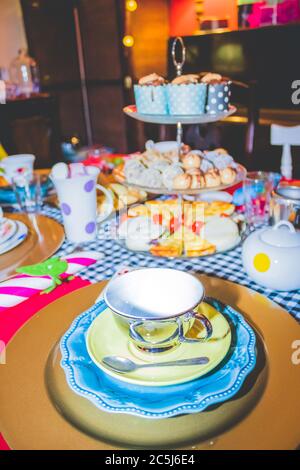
107, 338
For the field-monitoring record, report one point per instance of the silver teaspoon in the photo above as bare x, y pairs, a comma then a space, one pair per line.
123, 365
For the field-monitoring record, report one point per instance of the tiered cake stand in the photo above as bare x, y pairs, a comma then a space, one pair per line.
179, 121
131, 111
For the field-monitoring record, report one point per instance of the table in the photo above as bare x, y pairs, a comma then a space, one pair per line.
224, 265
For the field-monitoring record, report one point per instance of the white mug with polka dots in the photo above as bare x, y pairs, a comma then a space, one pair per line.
78, 203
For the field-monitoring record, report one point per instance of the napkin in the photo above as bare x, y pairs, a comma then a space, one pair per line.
21, 287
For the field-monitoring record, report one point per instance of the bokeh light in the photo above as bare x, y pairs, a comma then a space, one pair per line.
131, 5
128, 40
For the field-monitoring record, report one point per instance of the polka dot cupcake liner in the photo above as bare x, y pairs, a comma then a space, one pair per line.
187, 99
218, 98
151, 99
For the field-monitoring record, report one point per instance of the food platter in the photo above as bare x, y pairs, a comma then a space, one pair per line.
241, 173
175, 119
175, 229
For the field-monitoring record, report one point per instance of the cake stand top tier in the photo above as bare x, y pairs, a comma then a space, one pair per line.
175, 119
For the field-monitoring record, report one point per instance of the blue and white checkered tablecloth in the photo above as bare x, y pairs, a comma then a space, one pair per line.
226, 266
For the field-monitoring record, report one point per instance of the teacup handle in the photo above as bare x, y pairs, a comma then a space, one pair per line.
178, 333
135, 336
109, 201
204, 321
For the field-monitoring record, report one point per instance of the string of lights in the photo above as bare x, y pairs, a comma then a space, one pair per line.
131, 6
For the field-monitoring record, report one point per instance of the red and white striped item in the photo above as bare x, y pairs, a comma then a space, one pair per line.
19, 288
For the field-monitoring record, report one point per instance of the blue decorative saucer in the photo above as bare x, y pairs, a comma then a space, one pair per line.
112, 395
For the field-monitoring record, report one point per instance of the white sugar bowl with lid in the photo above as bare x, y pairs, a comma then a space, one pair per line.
271, 257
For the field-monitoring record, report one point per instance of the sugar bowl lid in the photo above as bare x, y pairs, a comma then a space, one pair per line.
282, 235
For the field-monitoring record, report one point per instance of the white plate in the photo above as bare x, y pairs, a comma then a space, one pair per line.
12, 228
17, 239
211, 196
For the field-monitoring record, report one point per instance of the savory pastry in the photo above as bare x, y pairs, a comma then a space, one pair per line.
206, 165
150, 178
191, 160
170, 173
157, 206
119, 174
197, 246
218, 208
194, 171
182, 181
197, 181
228, 175
194, 216
212, 179
219, 160
136, 211
170, 247
139, 232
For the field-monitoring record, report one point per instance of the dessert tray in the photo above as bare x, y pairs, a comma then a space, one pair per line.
131, 111
241, 173
170, 228
166, 168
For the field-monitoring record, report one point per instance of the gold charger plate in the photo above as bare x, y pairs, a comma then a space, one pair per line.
45, 236
28, 419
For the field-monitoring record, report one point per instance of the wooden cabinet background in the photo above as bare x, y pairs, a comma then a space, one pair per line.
51, 34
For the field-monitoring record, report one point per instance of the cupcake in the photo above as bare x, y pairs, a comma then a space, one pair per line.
186, 95
150, 95
218, 94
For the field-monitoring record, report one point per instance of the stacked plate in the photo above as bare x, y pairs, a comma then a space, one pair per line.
157, 392
12, 234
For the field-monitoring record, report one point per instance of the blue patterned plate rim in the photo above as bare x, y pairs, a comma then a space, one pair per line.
102, 400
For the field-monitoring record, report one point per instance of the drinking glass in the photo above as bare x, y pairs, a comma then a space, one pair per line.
28, 192
257, 188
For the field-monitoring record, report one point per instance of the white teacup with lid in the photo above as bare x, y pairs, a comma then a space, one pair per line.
271, 257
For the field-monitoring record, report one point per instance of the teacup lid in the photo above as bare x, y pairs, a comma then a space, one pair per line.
282, 235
